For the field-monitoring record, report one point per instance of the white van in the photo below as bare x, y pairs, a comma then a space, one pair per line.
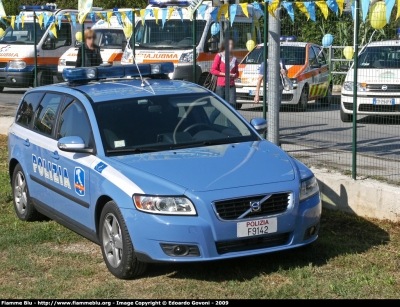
378, 82
17, 52
174, 42
109, 37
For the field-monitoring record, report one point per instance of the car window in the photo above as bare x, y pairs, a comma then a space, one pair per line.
311, 56
320, 55
46, 112
74, 122
26, 109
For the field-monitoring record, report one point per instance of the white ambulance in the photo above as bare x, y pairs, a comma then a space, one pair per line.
17, 50
378, 82
174, 43
109, 37
307, 67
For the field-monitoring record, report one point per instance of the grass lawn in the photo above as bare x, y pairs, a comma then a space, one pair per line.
353, 258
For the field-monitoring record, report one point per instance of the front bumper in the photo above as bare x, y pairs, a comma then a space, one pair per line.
245, 95
149, 231
16, 79
368, 104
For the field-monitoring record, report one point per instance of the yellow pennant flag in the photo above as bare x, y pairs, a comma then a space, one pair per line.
12, 22
100, 16
81, 17
398, 9
155, 11
22, 20
222, 10
303, 9
53, 29
340, 5
40, 18
170, 10
271, 11
123, 17
245, 11
142, 13
109, 15
137, 13
274, 5
68, 16
323, 7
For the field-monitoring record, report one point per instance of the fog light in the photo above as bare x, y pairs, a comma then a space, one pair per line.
311, 231
175, 250
13, 80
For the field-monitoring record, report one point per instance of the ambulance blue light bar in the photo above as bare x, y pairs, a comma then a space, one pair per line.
32, 8
86, 74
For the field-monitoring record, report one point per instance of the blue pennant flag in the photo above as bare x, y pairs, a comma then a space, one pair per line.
289, 8
310, 6
59, 20
93, 17
257, 7
332, 4
164, 12
202, 10
105, 16
389, 8
119, 18
364, 8
45, 20
17, 21
148, 11
232, 12
179, 9
73, 19
214, 14
353, 9
129, 15
50, 20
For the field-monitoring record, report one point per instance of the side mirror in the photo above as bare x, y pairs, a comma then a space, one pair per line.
123, 45
315, 65
344, 68
213, 44
49, 44
73, 144
260, 124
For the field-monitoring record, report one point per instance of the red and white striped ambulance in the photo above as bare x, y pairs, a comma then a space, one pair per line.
307, 67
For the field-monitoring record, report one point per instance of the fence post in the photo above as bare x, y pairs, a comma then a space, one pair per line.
133, 37
274, 82
265, 38
35, 51
83, 43
355, 70
227, 68
194, 29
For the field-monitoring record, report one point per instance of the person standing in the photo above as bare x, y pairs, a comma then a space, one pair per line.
218, 69
92, 51
261, 77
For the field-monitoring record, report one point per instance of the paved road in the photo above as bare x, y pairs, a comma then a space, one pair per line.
319, 128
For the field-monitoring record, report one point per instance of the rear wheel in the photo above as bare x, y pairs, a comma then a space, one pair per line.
44, 77
327, 100
116, 245
303, 101
23, 204
346, 118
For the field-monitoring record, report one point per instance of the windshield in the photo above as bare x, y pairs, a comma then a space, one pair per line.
293, 55
162, 123
380, 57
22, 36
109, 38
176, 34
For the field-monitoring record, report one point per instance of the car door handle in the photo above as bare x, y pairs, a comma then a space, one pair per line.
55, 155
27, 143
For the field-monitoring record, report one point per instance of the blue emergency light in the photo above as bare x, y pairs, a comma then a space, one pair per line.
86, 74
33, 8
290, 38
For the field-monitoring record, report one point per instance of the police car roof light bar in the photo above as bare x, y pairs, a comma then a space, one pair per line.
86, 74
32, 8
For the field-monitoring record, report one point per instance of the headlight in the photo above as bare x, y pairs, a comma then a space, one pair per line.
309, 187
164, 205
63, 62
187, 57
17, 64
348, 86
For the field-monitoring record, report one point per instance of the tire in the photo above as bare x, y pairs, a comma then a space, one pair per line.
44, 78
327, 100
116, 245
346, 118
238, 106
23, 204
303, 100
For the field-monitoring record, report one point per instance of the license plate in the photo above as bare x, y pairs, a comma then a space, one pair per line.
257, 227
383, 101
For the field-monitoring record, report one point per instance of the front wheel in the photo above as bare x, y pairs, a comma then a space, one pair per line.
116, 245
44, 78
346, 118
303, 101
326, 101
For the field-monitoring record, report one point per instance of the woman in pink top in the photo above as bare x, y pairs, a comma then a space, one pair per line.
218, 69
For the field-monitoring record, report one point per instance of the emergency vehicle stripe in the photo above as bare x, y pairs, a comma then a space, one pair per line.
31, 60
115, 57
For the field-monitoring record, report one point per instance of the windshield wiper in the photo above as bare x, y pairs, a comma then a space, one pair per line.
204, 143
135, 150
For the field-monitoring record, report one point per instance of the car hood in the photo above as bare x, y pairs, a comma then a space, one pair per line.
216, 167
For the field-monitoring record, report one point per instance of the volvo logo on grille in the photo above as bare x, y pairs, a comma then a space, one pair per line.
384, 87
255, 206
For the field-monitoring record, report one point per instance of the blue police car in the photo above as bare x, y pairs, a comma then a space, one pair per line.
131, 160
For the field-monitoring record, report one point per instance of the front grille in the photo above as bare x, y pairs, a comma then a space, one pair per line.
378, 87
71, 63
348, 105
233, 208
287, 97
3, 64
378, 108
224, 247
